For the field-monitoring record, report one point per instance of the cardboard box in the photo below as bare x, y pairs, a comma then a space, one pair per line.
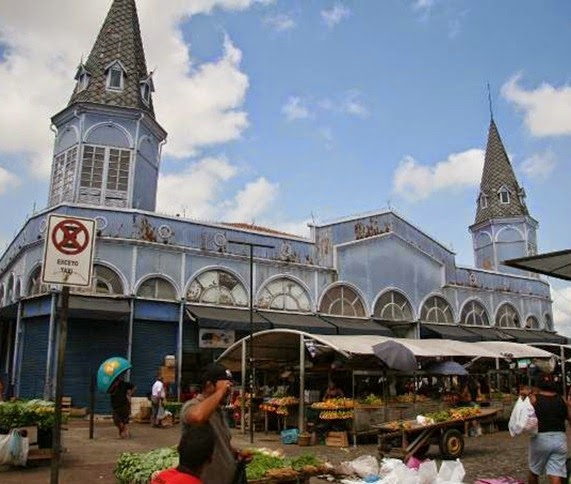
337, 439
168, 373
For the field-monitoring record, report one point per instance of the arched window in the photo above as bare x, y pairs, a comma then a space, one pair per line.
104, 281
157, 288
284, 294
474, 314
35, 285
217, 287
548, 322
10, 289
504, 195
393, 306
342, 301
532, 323
507, 317
436, 310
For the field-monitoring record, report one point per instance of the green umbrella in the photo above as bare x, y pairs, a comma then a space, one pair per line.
110, 370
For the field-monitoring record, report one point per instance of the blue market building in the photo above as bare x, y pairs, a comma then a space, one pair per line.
165, 285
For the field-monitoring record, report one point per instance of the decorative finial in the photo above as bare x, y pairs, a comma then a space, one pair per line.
490, 102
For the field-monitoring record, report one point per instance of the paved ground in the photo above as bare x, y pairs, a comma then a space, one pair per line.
92, 461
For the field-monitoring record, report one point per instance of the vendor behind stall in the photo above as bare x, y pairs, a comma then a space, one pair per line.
333, 391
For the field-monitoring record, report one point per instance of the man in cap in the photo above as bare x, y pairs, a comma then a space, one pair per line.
205, 407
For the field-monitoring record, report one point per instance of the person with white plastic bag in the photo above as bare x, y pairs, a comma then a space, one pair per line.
523, 419
548, 448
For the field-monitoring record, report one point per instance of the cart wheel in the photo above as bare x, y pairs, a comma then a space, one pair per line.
452, 444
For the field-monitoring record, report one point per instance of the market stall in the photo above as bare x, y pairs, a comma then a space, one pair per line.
356, 356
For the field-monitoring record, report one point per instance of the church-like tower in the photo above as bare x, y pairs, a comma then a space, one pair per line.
503, 228
108, 143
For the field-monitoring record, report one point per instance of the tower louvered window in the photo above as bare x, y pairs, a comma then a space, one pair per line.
63, 176
109, 164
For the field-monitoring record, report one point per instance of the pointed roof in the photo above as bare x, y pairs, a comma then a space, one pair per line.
119, 40
498, 173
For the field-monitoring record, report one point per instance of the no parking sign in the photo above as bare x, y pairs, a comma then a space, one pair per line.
68, 251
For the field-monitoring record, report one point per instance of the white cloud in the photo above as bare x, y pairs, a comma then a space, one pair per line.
562, 309
423, 4
416, 182
539, 165
547, 109
280, 22
335, 15
7, 180
295, 108
253, 200
198, 192
300, 228
199, 105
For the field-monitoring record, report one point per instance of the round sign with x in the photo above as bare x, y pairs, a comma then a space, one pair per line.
70, 237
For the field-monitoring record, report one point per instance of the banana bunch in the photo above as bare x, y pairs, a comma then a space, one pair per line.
336, 414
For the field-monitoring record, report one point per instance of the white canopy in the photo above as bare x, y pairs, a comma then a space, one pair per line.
275, 346
508, 349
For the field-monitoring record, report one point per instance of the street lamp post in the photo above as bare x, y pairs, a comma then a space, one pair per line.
251, 362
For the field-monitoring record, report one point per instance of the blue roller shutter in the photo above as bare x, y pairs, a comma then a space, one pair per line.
34, 356
89, 343
152, 341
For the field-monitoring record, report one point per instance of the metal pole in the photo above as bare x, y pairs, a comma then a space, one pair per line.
179, 349
56, 445
130, 334
243, 399
92, 405
13, 392
51, 336
252, 365
251, 361
301, 417
563, 376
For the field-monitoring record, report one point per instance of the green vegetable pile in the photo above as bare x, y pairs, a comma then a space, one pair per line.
136, 468
262, 463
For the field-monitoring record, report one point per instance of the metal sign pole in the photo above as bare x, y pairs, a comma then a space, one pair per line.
56, 443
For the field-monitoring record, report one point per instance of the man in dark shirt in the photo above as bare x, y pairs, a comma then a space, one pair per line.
121, 392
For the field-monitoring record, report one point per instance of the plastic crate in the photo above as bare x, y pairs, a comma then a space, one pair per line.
289, 436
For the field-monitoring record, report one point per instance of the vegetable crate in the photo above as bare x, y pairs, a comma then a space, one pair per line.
337, 439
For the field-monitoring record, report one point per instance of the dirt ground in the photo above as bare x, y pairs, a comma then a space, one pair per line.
92, 461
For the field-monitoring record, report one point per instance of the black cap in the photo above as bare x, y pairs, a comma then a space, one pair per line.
215, 372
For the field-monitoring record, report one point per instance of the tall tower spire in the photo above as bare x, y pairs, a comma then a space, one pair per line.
108, 143
500, 193
116, 72
503, 228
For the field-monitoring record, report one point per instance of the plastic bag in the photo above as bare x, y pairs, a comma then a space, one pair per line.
19, 447
427, 472
365, 465
451, 472
522, 418
14, 449
161, 412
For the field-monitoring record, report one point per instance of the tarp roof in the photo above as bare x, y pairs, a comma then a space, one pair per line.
277, 346
508, 349
554, 264
355, 326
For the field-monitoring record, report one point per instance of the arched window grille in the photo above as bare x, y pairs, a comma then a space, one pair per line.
548, 322
507, 317
436, 310
393, 306
35, 285
342, 301
532, 323
284, 294
217, 287
157, 288
474, 314
103, 281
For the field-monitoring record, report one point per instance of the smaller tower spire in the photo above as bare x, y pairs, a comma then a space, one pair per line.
490, 102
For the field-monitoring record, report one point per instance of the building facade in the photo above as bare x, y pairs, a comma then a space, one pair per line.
170, 286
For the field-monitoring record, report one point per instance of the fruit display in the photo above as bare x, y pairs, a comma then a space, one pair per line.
266, 407
372, 400
283, 401
334, 404
437, 417
410, 398
336, 414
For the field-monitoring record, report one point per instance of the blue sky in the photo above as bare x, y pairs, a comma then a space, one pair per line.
283, 111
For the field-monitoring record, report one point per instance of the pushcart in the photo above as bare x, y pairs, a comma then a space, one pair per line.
412, 438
